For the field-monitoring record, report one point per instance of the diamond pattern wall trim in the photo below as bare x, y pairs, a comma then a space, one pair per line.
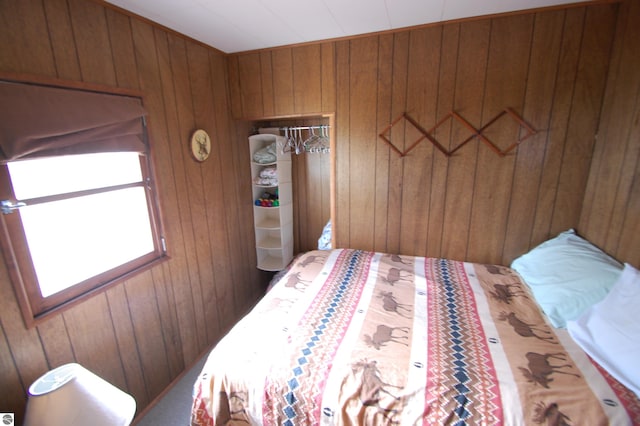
475, 132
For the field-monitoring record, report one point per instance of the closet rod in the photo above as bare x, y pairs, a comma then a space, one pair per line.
323, 126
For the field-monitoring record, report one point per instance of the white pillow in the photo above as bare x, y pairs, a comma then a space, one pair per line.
609, 331
567, 274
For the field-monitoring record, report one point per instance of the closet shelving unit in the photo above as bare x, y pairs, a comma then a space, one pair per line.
273, 225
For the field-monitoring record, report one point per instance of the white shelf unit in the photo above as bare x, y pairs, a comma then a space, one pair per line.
273, 225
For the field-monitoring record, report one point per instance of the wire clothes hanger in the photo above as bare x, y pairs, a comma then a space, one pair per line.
314, 143
287, 145
317, 143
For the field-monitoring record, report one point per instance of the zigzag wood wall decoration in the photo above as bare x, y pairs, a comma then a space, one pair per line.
475, 133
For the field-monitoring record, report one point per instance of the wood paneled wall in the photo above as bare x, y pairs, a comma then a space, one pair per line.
551, 67
611, 213
142, 334
312, 199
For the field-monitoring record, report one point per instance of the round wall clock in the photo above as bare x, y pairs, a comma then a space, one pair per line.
200, 145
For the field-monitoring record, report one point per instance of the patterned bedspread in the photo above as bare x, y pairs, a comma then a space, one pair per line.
355, 337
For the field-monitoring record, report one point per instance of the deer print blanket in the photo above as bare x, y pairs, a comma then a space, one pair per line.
355, 337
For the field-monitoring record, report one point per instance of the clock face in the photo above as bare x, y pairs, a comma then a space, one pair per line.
200, 145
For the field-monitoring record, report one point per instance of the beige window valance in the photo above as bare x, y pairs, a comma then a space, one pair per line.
39, 121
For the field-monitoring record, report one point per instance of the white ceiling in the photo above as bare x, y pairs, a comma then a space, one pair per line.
241, 25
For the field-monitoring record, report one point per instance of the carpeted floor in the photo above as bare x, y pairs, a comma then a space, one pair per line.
174, 409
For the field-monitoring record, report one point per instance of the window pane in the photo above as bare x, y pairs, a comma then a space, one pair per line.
58, 175
73, 240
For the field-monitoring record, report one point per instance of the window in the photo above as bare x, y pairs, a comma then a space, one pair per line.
77, 221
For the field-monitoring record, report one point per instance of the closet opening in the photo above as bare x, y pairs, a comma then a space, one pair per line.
310, 141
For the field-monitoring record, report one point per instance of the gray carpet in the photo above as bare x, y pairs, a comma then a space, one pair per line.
174, 409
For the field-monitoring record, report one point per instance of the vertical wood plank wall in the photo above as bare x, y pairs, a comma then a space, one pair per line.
142, 334
611, 212
551, 67
572, 73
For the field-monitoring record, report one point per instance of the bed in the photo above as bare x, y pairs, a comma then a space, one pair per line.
354, 337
